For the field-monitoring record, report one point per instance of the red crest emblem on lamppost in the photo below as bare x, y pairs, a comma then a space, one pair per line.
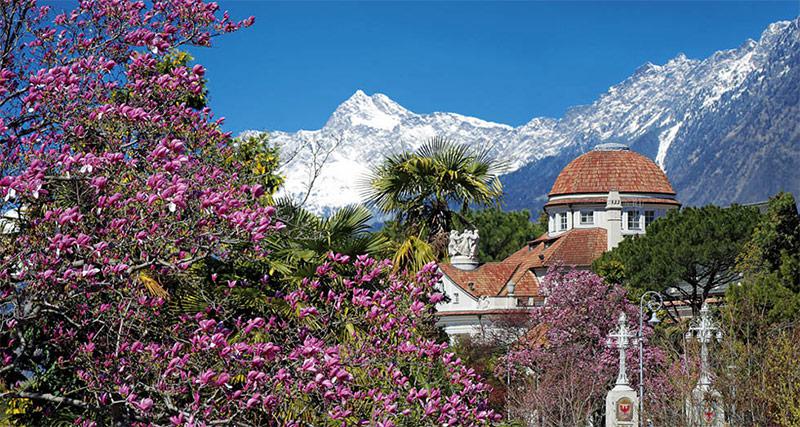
708, 413
625, 409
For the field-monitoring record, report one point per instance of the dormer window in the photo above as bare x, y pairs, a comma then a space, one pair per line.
633, 220
587, 217
562, 224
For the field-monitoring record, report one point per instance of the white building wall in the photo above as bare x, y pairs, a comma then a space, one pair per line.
472, 322
464, 325
450, 289
554, 220
600, 216
466, 302
658, 210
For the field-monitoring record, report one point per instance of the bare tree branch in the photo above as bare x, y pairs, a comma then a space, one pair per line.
319, 157
46, 397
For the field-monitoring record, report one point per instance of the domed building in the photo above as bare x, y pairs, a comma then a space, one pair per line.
596, 201
610, 188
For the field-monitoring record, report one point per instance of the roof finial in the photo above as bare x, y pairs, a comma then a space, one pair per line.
611, 146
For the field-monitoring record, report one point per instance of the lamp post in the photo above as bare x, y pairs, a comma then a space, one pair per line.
653, 300
620, 340
621, 407
704, 329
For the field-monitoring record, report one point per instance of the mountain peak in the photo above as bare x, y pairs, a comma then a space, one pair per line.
776, 29
360, 101
645, 68
357, 98
376, 111
671, 111
359, 94
680, 58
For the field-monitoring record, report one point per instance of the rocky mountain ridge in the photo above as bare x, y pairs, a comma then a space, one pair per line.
725, 129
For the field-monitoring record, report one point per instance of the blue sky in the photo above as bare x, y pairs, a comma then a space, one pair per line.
501, 61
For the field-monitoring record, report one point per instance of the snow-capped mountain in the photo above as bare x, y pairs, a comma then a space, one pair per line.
335, 160
725, 129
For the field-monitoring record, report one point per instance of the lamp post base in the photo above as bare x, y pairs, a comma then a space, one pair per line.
622, 407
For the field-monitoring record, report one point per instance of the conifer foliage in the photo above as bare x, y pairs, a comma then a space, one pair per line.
693, 251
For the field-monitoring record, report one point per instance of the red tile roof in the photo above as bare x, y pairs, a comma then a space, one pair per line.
576, 247
600, 171
490, 279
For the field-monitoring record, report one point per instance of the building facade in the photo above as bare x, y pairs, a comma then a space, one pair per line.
598, 199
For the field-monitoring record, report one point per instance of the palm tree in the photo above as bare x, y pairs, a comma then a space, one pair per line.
310, 237
421, 188
295, 252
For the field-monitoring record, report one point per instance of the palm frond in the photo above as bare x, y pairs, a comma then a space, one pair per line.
152, 285
353, 220
412, 254
419, 185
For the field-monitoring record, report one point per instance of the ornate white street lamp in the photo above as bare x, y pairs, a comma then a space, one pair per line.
621, 404
620, 340
653, 301
704, 329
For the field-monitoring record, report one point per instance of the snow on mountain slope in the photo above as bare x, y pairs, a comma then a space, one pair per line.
725, 129
686, 114
358, 135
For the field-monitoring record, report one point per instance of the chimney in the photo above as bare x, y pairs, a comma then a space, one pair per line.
614, 219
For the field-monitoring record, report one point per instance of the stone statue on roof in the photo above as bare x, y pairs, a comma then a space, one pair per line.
463, 244
471, 242
454, 244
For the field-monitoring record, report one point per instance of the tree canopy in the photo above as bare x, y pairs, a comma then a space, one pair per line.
775, 245
420, 189
693, 250
768, 294
502, 233
760, 318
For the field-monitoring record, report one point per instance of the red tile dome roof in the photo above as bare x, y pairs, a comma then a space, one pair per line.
611, 167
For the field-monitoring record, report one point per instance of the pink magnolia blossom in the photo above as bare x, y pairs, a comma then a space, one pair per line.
129, 198
566, 353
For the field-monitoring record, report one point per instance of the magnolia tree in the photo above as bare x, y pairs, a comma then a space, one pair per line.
564, 367
135, 282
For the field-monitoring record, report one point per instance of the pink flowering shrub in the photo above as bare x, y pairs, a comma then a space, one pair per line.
347, 350
136, 286
564, 361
